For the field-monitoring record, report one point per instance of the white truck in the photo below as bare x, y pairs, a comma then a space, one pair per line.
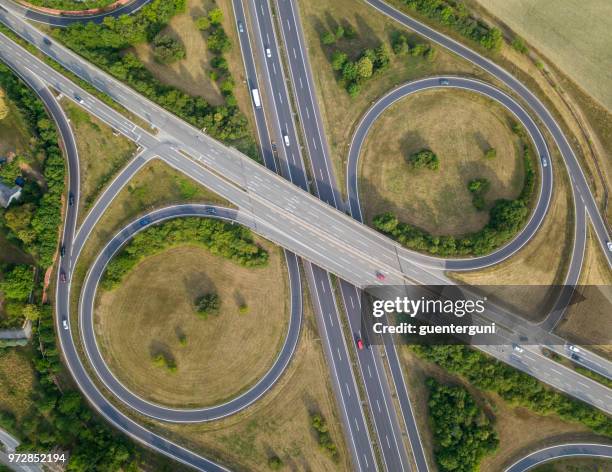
256, 99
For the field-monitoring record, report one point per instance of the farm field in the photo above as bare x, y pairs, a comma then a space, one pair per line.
216, 358
574, 34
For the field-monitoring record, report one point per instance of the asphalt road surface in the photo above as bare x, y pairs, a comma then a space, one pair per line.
561, 451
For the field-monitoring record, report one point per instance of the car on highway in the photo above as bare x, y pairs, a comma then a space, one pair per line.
145, 221
47, 41
65, 323
573, 348
63, 250
286, 139
360, 344
544, 162
240, 27
517, 348
70, 198
268, 52
380, 275
609, 244
575, 357
62, 276
444, 82
211, 211
79, 99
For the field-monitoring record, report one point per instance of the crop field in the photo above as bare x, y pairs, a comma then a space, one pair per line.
153, 310
574, 34
459, 127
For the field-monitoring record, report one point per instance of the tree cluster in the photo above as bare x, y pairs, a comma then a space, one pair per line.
318, 423
34, 220
106, 45
478, 188
16, 286
346, 31
354, 73
506, 217
234, 242
514, 386
400, 43
455, 15
207, 304
167, 49
165, 360
423, 159
462, 432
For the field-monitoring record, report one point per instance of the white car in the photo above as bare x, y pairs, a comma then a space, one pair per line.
544, 162
286, 139
609, 244
240, 27
573, 348
268, 52
65, 324
517, 348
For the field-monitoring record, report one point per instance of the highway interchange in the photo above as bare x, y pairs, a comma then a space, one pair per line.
179, 135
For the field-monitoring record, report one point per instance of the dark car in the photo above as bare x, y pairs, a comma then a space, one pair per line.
62, 276
145, 221
71, 199
211, 211
47, 41
63, 250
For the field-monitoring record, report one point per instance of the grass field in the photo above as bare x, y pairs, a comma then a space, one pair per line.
459, 127
574, 34
589, 322
14, 134
279, 422
544, 260
101, 154
16, 381
223, 355
519, 429
340, 113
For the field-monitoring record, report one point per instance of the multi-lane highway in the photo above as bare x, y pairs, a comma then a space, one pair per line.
240, 179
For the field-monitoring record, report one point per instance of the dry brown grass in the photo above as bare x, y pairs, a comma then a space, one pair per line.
223, 355
279, 422
16, 381
575, 35
458, 127
189, 74
340, 113
589, 322
101, 154
543, 261
519, 429
577, 465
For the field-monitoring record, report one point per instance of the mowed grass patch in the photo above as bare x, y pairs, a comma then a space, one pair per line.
459, 127
279, 423
519, 429
542, 261
16, 380
101, 153
153, 310
341, 113
189, 74
566, 33
589, 464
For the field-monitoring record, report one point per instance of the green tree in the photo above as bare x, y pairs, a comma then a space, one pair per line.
328, 38
218, 41
519, 45
18, 283
490, 153
215, 16
31, 312
167, 49
208, 304
338, 60
18, 219
424, 159
202, 23
364, 67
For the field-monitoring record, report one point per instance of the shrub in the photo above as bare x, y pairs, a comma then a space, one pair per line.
478, 188
167, 49
275, 463
424, 159
208, 304
490, 153
202, 23
243, 309
215, 16
166, 361
519, 45
328, 38
324, 439
18, 282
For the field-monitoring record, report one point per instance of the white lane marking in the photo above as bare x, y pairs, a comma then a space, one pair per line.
268, 38
294, 54
274, 68
366, 461
288, 25
369, 371
339, 356
307, 114
261, 6
280, 98
301, 84
321, 173
388, 443
378, 405
323, 287
352, 303
347, 388
356, 424
314, 143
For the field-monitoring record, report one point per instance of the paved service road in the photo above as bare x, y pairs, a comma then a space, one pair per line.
559, 452
10, 444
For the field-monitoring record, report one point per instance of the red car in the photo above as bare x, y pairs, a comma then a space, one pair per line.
380, 276
360, 344
62, 276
